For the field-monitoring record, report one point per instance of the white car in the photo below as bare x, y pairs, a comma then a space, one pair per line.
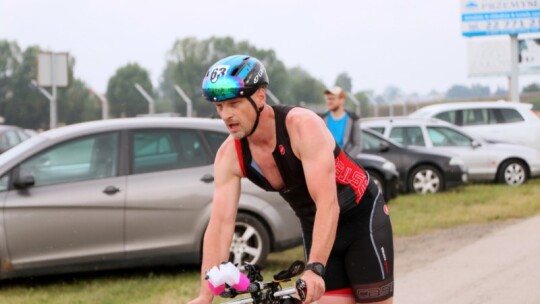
506, 163
494, 120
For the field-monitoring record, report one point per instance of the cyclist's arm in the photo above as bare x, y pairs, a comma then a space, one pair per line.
218, 235
314, 146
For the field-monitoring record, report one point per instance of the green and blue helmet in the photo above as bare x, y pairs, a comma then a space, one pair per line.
232, 77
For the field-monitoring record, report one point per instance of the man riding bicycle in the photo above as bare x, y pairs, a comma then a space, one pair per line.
347, 231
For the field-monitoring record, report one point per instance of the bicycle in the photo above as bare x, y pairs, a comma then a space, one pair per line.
270, 292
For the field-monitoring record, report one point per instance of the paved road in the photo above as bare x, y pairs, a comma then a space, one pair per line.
500, 268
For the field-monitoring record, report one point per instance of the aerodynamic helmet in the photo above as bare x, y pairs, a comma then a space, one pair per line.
232, 77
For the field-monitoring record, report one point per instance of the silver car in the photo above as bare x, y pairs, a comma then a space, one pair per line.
11, 136
506, 163
125, 192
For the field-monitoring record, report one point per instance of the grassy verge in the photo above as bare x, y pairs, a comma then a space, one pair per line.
411, 214
476, 204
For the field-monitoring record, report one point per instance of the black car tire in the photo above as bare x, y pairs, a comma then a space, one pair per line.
251, 242
426, 179
512, 172
379, 181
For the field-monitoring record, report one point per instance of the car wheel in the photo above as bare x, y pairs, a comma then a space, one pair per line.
378, 180
512, 172
250, 243
426, 179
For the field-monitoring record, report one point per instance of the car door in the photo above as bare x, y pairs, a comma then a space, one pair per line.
477, 158
74, 211
169, 192
511, 126
372, 144
481, 122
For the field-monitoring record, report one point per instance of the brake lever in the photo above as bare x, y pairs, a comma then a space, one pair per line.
301, 288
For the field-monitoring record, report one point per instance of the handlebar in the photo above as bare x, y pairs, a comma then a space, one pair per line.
268, 292
278, 294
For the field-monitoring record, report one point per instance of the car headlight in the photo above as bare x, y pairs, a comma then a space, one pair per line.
389, 166
457, 161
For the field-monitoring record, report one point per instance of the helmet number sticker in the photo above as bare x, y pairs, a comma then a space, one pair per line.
217, 72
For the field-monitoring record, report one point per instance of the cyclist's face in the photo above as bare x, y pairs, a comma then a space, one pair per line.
238, 115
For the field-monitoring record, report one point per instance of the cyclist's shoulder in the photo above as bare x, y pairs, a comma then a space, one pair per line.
227, 157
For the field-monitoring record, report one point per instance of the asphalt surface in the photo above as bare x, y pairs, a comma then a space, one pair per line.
502, 267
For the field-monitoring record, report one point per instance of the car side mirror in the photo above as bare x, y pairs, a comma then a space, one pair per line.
24, 182
384, 147
476, 144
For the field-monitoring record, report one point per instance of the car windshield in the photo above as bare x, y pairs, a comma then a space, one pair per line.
18, 149
446, 137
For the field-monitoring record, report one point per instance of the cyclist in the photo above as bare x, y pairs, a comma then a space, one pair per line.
347, 231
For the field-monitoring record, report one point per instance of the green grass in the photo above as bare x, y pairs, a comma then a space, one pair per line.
473, 204
411, 214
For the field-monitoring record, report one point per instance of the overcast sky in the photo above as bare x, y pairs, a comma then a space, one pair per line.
415, 45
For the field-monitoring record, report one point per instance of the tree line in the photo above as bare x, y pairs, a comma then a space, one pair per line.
23, 105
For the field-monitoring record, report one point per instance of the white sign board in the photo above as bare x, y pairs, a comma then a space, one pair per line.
488, 58
499, 17
52, 69
492, 57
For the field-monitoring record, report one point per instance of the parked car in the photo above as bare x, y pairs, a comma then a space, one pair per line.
383, 172
419, 171
506, 163
11, 136
125, 192
511, 122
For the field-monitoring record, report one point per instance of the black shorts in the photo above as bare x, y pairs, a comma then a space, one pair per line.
362, 259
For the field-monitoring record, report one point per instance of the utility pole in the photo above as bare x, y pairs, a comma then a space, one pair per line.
514, 69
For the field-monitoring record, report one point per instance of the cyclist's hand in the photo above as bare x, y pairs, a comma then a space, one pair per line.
201, 300
315, 286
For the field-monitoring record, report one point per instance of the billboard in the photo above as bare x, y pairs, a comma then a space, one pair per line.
499, 17
492, 57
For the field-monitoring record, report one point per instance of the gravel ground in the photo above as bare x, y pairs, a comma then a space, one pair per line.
476, 264
412, 252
